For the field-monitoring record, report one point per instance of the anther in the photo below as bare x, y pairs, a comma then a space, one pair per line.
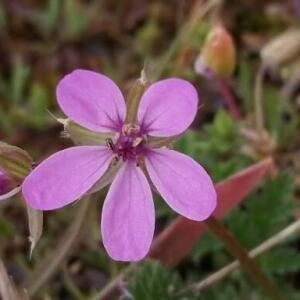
130, 128
136, 142
110, 145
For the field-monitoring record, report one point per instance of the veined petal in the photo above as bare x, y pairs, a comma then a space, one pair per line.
107, 177
128, 219
168, 107
92, 100
182, 182
65, 176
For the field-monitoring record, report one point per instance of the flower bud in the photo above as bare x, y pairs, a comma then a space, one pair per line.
6, 185
15, 163
218, 56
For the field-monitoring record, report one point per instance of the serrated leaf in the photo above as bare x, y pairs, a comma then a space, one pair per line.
208, 244
265, 213
281, 261
153, 281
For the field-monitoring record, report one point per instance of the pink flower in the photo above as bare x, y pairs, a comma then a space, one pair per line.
166, 109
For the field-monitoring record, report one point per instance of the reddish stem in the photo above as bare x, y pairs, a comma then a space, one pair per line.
230, 100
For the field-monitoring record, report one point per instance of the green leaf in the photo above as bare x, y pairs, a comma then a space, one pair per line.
76, 18
20, 74
39, 103
217, 147
245, 84
209, 244
281, 261
265, 213
48, 18
153, 281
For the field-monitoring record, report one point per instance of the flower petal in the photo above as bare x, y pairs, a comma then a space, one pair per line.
182, 182
128, 215
65, 176
92, 100
168, 107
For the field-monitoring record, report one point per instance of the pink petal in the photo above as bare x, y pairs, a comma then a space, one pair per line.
65, 176
92, 100
128, 215
168, 107
182, 182
173, 244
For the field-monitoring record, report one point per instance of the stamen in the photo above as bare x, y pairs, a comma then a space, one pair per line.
129, 129
136, 142
115, 160
129, 144
110, 145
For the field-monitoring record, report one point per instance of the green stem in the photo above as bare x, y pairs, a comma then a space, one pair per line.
134, 98
258, 100
249, 265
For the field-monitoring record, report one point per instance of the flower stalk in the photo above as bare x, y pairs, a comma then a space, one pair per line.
134, 98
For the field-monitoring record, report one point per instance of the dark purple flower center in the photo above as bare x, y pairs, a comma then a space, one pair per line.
130, 143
